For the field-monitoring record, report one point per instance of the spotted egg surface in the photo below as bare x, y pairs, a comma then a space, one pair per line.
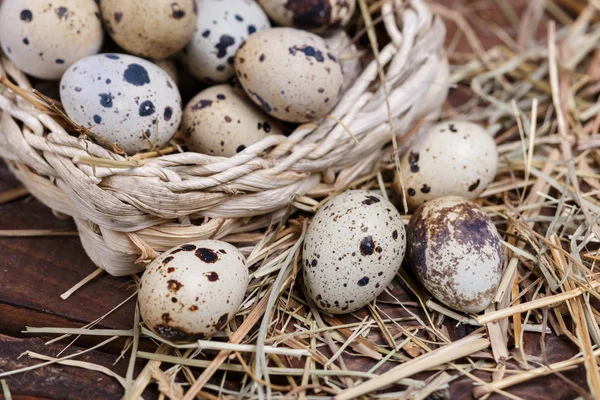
43, 38
453, 158
454, 251
222, 27
221, 121
150, 28
312, 15
124, 99
290, 74
352, 250
192, 291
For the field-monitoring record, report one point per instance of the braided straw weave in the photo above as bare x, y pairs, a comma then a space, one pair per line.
129, 212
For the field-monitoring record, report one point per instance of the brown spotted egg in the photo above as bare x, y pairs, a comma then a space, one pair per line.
289, 73
150, 28
221, 121
43, 38
352, 250
311, 15
126, 100
222, 27
192, 291
454, 251
453, 158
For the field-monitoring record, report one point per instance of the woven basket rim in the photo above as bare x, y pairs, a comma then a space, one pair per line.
120, 204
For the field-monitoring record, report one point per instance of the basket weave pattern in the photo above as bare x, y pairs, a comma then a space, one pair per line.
125, 214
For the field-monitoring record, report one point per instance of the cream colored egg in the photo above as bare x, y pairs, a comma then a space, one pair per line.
347, 54
222, 27
170, 67
150, 28
311, 15
352, 250
290, 74
452, 158
43, 38
126, 100
192, 291
454, 251
221, 121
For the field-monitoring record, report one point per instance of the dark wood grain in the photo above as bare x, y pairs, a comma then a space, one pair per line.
34, 272
59, 381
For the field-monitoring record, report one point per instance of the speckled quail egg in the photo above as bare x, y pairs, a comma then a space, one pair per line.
452, 158
221, 121
290, 73
347, 54
312, 15
454, 251
352, 250
192, 291
150, 28
221, 28
124, 99
43, 38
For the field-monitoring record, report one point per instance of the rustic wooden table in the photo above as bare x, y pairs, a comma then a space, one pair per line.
35, 271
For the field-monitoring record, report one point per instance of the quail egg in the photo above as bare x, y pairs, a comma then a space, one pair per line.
312, 15
221, 28
221, 121
192, 291
452, 158
43, 38
352, 250
454, 251
290, 74
170, 67
124, 99
150, 28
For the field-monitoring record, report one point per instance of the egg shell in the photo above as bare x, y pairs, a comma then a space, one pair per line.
150, 28
341, 46
192, 291
454, 251
43, 38
311, 15
453, 158
124, 99
170, 67
222, 27
352, 250
221, 121
290, 74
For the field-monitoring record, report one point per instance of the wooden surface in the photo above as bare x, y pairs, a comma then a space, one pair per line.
34, 272
47, 267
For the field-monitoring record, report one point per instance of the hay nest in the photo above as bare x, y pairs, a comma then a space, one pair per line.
538, 97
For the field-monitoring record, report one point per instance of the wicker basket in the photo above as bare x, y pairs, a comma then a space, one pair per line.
126, 212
